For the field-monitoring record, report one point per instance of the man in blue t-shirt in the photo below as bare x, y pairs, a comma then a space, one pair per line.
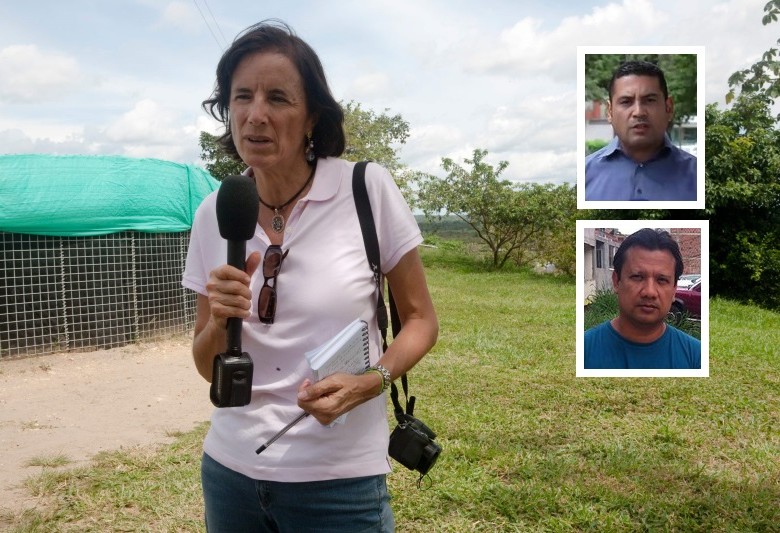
647, 266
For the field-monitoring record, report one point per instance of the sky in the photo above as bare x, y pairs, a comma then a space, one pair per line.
127, 77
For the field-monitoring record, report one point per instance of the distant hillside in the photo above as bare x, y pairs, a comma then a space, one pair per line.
449, 227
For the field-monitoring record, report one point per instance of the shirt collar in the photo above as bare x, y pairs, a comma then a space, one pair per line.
325, 183
614, 146
326, 180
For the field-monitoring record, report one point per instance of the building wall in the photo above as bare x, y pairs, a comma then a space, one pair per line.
600, 247
689, 240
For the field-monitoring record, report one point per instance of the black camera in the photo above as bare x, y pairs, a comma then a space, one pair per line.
412, 444
231, 380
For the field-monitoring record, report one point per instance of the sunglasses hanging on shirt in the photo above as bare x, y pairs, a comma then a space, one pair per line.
266, 301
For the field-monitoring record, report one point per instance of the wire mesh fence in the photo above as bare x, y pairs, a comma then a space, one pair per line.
73, 293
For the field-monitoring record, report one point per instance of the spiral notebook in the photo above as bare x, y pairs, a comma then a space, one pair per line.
346, 352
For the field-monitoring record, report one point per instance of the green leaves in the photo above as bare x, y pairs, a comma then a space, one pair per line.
763, 77
374, 137
218, 162
772, 10
511, 218
743, 200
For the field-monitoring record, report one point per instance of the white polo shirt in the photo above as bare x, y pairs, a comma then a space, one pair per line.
323, 285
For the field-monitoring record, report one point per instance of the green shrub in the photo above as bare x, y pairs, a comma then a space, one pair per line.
603, 307
594, 145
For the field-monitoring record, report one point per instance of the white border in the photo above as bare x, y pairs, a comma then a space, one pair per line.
631, 226
700, 112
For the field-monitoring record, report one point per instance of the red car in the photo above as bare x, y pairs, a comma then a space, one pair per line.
688, 301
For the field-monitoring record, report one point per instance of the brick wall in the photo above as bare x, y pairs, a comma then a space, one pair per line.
689, 240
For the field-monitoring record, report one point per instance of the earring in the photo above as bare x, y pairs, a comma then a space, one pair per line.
310, 155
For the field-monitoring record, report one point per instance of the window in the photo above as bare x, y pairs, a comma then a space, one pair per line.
599, 254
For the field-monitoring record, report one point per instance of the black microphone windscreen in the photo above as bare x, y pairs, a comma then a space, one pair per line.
237, 208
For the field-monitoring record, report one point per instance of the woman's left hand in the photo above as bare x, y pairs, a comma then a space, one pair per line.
337, 394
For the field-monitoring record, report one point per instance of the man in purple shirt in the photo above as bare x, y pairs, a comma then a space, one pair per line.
640, 163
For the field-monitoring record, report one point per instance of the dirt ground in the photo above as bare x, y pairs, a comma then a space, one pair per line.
78, 404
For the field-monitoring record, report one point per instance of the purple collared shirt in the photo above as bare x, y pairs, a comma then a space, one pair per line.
611, 175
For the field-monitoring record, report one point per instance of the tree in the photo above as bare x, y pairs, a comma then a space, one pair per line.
506, 216
374, 137
219, 163
556, 243
680, 73
764, 75
743, 200
377, 137
598, 72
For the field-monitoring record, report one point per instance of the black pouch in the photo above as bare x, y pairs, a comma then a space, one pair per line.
231, 380
412, 444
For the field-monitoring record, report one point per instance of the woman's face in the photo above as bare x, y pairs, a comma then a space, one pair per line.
269, 117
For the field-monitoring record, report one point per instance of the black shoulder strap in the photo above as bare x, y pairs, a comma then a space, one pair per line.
371, 243
368, 228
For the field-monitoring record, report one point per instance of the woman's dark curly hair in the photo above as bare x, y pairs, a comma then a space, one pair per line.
276, 36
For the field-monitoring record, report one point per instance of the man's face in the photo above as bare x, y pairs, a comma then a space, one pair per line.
639, 114
646, 287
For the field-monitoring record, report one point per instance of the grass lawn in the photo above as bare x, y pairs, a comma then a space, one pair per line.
527, 446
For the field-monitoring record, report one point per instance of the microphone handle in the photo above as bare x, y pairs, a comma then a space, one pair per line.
236, 256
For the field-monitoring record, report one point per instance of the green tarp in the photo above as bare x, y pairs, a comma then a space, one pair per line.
96, 195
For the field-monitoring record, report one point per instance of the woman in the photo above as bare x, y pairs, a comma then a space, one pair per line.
284, 124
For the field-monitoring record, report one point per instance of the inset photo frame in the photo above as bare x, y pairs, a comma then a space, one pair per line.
626, 295
640, 127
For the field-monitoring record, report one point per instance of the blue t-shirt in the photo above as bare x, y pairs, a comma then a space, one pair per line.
606, 348
611, 175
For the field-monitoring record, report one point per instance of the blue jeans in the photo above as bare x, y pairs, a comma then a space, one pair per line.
236, 503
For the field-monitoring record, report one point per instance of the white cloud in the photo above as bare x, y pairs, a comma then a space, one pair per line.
151, 130
734, 39
16, 141
28, 74
204, 123
370, 85
497, 76
541, 166
527, 48
182, 16
148, 123
537, 122
146, 130
428, 144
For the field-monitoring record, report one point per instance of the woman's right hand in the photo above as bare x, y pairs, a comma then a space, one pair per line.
228, 291
228, 296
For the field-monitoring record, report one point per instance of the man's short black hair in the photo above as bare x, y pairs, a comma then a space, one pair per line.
652, 240
638, 68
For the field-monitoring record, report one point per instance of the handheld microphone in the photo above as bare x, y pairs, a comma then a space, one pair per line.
237, 210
